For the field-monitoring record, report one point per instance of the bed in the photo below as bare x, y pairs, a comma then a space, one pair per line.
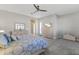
26, 45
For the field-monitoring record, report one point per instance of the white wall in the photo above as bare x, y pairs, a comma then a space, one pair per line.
69, 24
8, 20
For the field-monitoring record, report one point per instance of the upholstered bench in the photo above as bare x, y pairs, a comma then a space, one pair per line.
69, 37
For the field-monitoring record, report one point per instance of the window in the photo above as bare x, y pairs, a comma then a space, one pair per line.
19, 26
40, 28
2, 31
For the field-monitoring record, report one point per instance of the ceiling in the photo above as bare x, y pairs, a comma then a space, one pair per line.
25, 9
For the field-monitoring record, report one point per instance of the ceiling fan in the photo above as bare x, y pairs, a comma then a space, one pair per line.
37, 7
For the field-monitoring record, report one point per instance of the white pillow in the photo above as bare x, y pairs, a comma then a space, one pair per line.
13, 37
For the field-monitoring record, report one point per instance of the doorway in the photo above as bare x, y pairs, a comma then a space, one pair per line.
47, 30
33, 27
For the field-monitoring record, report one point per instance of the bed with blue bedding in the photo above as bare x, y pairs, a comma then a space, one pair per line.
36, 45
26, 45
32, 44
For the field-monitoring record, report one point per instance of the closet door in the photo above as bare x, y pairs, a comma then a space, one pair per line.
47, 30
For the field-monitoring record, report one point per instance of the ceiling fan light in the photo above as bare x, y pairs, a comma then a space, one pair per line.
48, 25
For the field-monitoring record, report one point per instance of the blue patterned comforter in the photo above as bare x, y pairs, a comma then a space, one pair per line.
34, 43
37, 44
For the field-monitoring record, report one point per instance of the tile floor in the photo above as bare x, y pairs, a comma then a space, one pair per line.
63, 47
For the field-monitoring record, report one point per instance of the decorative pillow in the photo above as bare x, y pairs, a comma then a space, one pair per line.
7, 37
3, 42
13, 38
19, 37
10, 38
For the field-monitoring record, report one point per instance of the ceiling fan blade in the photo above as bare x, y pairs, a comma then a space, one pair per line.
44, 10
35, 6
38, 9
